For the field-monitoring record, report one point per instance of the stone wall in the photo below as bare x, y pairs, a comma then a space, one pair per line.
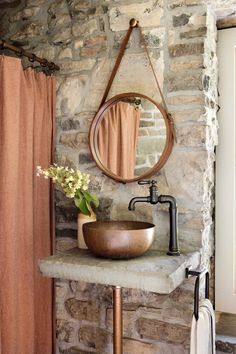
225, 11
83, 37
152, 323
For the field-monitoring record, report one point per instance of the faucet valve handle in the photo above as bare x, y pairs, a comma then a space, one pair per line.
143, 182
152, 182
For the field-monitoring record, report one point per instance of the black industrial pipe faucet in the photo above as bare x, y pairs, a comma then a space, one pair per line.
153, 198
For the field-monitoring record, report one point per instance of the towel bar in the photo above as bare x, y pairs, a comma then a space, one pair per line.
199, 274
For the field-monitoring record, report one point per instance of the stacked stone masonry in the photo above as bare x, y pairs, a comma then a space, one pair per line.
83, 37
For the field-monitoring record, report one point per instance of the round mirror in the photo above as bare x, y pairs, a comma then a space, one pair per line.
130, 137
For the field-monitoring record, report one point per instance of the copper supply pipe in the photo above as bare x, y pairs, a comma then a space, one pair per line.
117, 321
32, 57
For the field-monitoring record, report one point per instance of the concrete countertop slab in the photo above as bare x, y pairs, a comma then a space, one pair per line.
154, 271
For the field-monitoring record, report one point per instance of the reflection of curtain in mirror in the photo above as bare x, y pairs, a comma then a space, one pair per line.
117, 139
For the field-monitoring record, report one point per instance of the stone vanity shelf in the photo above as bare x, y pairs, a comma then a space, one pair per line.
154, 271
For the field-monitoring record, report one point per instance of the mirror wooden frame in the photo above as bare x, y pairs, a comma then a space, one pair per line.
93, 132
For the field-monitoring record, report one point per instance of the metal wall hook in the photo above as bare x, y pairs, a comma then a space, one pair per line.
133, 22
199, 274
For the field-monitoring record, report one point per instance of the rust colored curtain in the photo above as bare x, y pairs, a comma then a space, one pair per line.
27, 102
117, 139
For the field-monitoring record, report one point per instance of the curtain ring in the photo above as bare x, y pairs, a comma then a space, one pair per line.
32, 58
3, 44
44, 62
51, 65
20, 53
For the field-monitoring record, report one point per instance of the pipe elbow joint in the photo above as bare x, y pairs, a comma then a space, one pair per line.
168, 199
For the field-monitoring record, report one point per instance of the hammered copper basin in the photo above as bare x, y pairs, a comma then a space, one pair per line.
118, 239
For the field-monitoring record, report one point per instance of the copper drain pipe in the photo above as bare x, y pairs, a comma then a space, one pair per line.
117, 321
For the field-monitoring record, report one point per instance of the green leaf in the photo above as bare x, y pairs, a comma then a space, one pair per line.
91, 198
77, 201
83, 207
78, 194
83, 200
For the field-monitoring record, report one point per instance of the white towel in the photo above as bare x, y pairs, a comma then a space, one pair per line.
203, 330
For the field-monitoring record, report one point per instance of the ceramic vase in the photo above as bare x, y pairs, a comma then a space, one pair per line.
82, 219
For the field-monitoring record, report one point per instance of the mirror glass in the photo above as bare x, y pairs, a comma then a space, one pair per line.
129, 136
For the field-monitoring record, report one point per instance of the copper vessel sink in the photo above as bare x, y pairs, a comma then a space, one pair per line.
118, 239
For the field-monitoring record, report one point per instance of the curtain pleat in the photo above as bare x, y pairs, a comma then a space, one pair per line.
26, 124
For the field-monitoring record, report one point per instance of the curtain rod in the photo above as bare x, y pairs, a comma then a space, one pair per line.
32, 57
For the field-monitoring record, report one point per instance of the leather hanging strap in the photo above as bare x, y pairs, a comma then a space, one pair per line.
134, 23
142, 40
117, 63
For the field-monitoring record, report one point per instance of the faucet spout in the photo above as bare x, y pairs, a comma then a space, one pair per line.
153, 198
135, 200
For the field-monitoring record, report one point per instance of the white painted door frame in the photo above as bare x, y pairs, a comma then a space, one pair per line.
225, 175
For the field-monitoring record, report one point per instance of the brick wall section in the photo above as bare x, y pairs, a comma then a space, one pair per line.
83, 37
